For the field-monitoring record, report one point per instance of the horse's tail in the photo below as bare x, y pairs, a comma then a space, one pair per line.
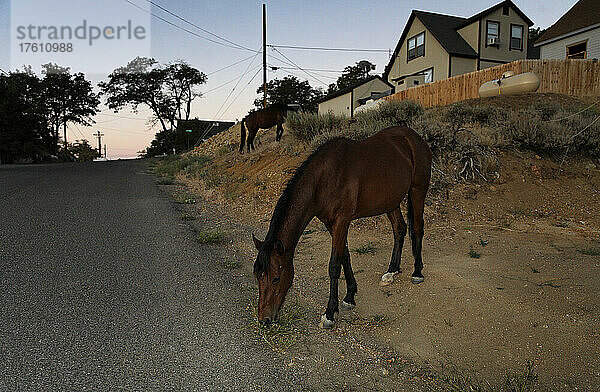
243, 136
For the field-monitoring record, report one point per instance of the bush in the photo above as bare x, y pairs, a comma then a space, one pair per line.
463, 138
546, 110
400, 113
527, 129
173, 164
306, 126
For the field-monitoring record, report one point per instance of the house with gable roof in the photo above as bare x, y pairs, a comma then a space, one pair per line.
437, 46
576, 35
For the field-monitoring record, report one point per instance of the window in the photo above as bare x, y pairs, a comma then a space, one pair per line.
416, 46
505, 9
577, 51
428, 75
492, 33
516, 37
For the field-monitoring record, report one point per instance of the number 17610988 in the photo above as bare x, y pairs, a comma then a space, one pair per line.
45, 47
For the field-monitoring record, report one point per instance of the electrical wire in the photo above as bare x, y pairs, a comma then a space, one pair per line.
308, 69
329, 49
226, 83
183, 28
230, 65
198, 27
115, 115
240, 93
300, 68
210, 127
125, 131
78, 130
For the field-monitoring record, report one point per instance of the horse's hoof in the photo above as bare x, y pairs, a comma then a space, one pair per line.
345, 306
387, 278
417, 279
326, 323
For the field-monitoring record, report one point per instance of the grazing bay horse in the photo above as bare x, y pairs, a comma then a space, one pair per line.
341, 181
263, 119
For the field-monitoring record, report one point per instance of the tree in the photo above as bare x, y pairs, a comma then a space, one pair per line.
352, 75
69, 98
24, 133
532, 51
82, 151
181, 78
33, 111
168, 91
534, 34
290, 90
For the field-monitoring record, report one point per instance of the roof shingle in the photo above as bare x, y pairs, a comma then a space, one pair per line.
583, 14
443, 28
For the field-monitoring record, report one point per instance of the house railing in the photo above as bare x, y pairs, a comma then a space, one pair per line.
571, 77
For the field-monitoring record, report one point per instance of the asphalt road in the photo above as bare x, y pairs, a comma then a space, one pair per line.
103, 289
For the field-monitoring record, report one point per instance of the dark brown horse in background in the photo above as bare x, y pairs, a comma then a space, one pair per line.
344, 180
263, 119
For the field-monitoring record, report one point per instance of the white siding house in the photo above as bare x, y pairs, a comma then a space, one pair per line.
576, 35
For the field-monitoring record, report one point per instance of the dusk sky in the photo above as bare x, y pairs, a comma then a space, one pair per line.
340, 24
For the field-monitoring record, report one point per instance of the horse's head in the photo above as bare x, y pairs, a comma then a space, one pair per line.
274, 272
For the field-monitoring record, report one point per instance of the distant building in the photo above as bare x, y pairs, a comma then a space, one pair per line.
435, 46
345, 101
576, 35
201, 130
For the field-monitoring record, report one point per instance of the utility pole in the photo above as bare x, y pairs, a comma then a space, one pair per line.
104, 150
65, 133
99, 136
264, 55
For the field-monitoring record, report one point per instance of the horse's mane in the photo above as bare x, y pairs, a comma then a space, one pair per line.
282, 207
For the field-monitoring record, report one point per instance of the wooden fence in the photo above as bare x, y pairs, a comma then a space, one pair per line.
571, 77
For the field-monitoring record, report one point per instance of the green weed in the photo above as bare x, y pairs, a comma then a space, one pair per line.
231, 264
184, 198
211, 237
590, 251
364, 249
282, 334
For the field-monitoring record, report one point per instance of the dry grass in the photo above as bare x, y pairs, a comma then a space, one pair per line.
465, 138
282, 334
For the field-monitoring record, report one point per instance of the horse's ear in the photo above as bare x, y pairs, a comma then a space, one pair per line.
257, 243
279, 248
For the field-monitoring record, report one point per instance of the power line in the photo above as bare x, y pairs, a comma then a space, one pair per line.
302, 76
230, 65
198, 27
210, 127
125, 131
3, 71
78, 130
300, 68
115, 115
275, 68
226, 83
329, 49
183, 28
240, 93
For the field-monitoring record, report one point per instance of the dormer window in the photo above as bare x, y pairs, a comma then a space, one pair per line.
416, 46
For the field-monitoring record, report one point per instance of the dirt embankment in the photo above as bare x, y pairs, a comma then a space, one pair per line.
512, 267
